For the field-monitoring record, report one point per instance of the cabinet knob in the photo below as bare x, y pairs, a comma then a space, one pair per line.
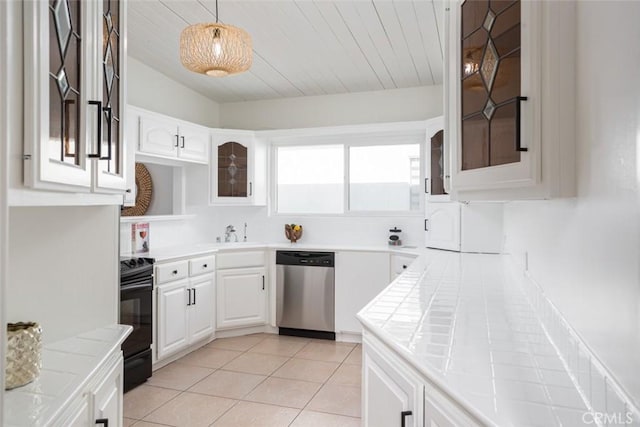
205, 265
128, 190
174, 272
404, 266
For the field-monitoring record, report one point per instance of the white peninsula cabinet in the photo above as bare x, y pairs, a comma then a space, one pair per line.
166, 138
74, 99
510, 99
185, 303
238, 174
241, 295
396, 395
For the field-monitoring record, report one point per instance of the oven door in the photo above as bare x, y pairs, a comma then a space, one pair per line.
135, 310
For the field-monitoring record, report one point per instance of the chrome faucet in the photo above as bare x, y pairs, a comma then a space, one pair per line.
227, 234
245, 232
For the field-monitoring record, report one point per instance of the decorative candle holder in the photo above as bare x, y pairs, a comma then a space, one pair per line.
293, 232
24, 361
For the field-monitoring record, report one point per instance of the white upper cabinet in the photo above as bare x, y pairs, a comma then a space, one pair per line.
509, 99
171, 139
442, 226
74, 61
238, 168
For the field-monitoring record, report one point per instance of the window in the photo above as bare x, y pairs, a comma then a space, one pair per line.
310, 179
384, 178
358, 176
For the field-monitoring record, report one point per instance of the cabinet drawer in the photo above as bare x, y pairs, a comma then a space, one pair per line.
202, 265
401, 263
240, 259
172, 271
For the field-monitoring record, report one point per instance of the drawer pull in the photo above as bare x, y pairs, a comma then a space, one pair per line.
403, 417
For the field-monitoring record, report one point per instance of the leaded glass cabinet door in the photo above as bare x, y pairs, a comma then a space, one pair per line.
232, 168
492, 93
436, 161
111, 60
57, 82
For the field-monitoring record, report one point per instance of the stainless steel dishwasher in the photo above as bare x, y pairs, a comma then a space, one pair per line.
305, 294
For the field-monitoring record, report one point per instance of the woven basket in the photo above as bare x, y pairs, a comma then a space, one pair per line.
23, 354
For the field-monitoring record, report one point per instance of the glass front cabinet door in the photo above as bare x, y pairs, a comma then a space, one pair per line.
498, 52
436, 161
238, 169
74, 96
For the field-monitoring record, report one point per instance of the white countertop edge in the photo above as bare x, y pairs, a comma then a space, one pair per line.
184, 251
422, 369
62, 404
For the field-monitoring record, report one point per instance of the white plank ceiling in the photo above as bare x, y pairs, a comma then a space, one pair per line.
301, 47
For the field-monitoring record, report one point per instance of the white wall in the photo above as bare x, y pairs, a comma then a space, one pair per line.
63, 270
585, 252
418, 103
148, 88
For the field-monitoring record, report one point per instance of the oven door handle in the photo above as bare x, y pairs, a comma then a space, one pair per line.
135, 287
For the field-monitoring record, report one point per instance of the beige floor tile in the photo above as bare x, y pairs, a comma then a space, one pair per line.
347, 375
355, 357
307, 370
178, 376
148, 424
144, 399
281, 346
128, 422
283, 392
246, 414
326, 351
237, 343
210, 357
337, 399
191, 410
256, 363
319, 419
234, 385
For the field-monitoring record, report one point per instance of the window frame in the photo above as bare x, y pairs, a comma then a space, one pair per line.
357, 136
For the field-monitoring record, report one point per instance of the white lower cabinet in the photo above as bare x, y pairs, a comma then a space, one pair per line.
185, 313
185, 303
107, 399
241, 297
393, 394
359, 277
399, 263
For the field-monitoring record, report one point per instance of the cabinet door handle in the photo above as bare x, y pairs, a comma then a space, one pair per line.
519, 147
177, 140
426, 185
103, 421
189, 297
98, 154
251, 188
263, 282
204, 265
426, 222
403, 417
194, 296
182, 146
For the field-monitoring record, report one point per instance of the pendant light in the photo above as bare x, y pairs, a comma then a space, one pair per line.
215, 49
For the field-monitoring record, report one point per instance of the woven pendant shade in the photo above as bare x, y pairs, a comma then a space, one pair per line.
215, 49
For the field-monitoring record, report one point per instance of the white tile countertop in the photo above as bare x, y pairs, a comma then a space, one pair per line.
465, 323
183, 251
67, 365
